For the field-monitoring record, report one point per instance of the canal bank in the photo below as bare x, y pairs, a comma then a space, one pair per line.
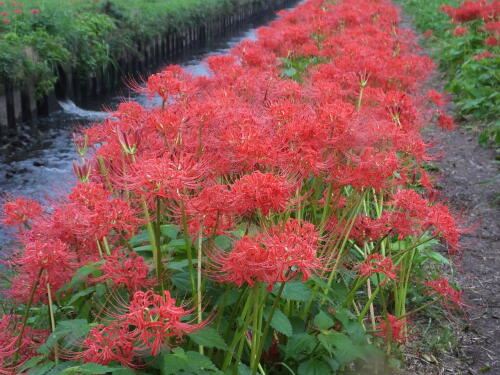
19, 102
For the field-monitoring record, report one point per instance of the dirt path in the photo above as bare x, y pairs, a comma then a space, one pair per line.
465, 166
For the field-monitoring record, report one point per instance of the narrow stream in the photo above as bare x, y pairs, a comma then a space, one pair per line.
40, 163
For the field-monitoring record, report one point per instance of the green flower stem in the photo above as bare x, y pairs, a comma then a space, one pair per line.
239, 334
267, 326
52, 323
188, 249
154, 245
28, 307
198, 281
326, 208
363, 312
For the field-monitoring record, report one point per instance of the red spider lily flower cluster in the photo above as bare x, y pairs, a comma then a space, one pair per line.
487, 13
306, 165
376, 263
127, 270
442, 288
418, 214
149, 323
12, 343
392, 329
473, 10
277, 255
20, 211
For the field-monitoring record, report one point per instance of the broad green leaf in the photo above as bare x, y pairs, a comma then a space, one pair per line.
139, 238
223, 242
178, 243
437, 257
302, 343
42, 369
209, 338
227, 299
280, 322
294, 291
178, 266
67, 330
179, 362
170, 230
143, 248
323, 321
342, 347
81, 293
80, 275
90, 369
314, 367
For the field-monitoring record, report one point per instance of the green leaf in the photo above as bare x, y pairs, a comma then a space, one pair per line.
144, 248
179, 362
313, 367
178, 266
437, 257
42, 369
244, 369
80, 275
178, 243
90, 369
139, 238
302, 343
170, 230
280, 322
223, 242
67, 330
81, 293
294, 291
340, 346
209, 338
322, 321
290, 72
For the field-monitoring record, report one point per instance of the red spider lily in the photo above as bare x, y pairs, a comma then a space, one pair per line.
436, 98
147, 324
483, 55
129, 271
20, 211
492, 27
82, 171
154, 320
277, 255
427, 33
105, 344
41, 262
35, 11
491, 41
212, 210
261, 192
441, 287
172, 81
98, 214
459, 31
468, 11
168, 177
392, 329
446, 122
376, 263
366, 229
15, 350
418, 215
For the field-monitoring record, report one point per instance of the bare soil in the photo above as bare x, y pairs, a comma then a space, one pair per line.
469, 181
